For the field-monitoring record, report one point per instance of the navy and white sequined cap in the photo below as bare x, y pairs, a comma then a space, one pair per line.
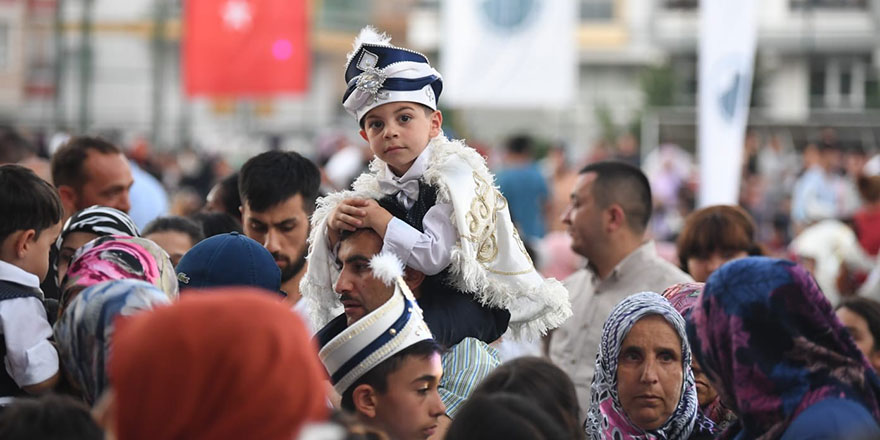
378, 73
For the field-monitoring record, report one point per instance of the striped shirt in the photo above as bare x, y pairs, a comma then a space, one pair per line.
465, 365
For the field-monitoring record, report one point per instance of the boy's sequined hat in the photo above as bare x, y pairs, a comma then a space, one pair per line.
378, 73
377, 336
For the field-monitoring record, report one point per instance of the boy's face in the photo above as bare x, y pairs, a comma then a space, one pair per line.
411, 406
399, 131
36, 261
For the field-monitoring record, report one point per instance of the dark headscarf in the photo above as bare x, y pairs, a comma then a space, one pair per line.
684, 296
772, 346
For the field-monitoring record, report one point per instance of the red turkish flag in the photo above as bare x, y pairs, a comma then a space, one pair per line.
245, 47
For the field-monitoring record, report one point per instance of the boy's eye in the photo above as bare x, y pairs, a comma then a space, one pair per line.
405, 118
374, 124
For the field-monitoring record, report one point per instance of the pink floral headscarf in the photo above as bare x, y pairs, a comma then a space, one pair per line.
119, 257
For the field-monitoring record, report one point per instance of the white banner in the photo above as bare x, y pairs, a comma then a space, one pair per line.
728, 35
509, 53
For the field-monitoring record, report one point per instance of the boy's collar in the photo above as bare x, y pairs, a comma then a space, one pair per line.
416, 170
15, 274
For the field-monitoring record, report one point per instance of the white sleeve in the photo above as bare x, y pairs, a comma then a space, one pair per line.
30, 357
428, 252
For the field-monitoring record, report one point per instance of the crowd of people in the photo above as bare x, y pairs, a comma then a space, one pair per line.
420, 299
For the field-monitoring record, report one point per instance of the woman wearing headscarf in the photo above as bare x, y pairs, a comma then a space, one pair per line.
85, 226
85, 330
235, 364
779, 358
115, 258
643, 387
683, 297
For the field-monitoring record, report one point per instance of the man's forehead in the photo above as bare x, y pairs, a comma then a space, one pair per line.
363, 243
106, 168
291, 208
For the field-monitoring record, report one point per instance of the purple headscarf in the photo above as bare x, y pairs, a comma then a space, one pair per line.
772, 346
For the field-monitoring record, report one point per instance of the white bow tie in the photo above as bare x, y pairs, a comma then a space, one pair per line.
406, 192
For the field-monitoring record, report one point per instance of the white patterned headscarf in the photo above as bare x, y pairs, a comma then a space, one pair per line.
606, 418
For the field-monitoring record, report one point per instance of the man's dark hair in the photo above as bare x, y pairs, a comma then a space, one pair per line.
270, 178
231, 199
26, 201
378, 376
14, 147
216, 223
623, 184
869, 310
51, 417
542, 382
505, 416
67, 162
521, 144
177, 224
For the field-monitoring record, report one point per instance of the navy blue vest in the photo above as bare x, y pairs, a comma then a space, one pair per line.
451, 314
10, 290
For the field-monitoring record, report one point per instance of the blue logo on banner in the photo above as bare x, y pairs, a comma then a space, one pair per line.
509, 15
730, 80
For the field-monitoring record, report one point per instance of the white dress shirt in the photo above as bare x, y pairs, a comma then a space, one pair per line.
430, 251
30, 357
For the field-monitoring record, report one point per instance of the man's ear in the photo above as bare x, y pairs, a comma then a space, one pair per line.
616, 218
413, 278
23, 242
436, 123
68, 198
365, 400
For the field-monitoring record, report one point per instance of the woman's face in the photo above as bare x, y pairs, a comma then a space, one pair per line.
701, 267
861, 334
649, 372
705, 393
71, 243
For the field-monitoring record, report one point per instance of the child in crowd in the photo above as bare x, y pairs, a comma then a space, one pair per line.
451, 220
29, 224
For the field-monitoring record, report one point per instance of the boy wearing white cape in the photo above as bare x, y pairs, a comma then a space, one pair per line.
450, 220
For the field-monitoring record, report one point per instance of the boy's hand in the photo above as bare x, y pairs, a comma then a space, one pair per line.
347, 216
376, 218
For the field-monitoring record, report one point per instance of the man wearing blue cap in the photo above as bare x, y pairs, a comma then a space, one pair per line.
228, 260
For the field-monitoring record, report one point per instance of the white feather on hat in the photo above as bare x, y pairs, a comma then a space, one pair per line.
368, 35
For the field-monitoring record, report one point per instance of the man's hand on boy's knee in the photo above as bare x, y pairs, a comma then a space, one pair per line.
377, 217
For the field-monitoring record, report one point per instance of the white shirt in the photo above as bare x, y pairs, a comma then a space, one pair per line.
428, 252
30, 357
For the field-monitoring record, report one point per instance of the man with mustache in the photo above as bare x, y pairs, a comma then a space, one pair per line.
278, 191
465, 364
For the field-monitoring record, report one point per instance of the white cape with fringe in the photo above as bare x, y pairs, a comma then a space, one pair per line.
489, 258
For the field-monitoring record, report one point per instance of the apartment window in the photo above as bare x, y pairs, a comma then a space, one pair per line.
829, 4
597, 10
4, 46
346, 15
842, 82
681, 4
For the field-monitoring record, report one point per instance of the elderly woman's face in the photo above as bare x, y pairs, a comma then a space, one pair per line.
649, 372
